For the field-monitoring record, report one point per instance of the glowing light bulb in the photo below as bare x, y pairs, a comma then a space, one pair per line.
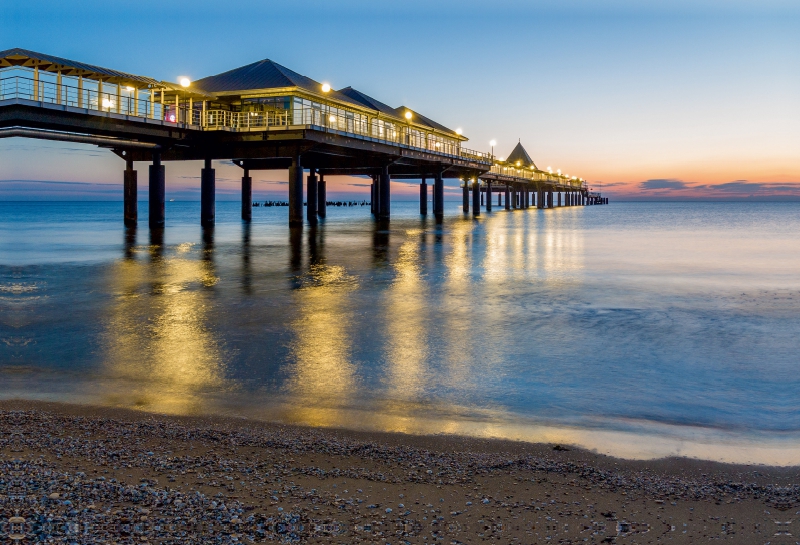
459, 131
129, 89
326, 88
332, 119
408, 116
493, 143
184, 82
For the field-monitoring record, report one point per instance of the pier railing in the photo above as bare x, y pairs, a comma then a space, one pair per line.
538, 176
125, 103
374, 129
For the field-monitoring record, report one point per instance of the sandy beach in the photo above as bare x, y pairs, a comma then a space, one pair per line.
99, 475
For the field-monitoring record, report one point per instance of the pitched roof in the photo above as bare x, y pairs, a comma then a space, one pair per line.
368, 101
264, 74
519, 154
422, 120
50, 63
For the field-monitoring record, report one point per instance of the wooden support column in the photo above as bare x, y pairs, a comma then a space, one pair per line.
465, 197
80, 91
247, 196
322, 197
156, 192
488, 196
311, 196
36, 82
59, 88
296, 192
130, 194
476, 197
508, 197
423, 197
119, 98
207, 195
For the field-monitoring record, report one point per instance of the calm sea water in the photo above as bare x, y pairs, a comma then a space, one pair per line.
635, 329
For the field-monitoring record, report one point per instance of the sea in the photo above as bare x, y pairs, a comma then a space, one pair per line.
636, 329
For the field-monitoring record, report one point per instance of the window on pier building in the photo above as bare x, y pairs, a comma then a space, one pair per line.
309, 112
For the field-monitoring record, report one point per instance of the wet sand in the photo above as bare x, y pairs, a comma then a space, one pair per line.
90, 474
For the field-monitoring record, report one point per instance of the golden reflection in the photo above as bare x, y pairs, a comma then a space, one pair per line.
323, 376
406, 328
160, 353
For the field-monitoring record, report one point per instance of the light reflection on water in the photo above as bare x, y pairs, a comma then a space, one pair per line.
635, 329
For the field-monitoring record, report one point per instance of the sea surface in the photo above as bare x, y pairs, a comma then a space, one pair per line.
635, 329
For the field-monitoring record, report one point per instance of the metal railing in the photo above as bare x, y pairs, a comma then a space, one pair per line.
376, 128
126, 103
538, 176
50, 92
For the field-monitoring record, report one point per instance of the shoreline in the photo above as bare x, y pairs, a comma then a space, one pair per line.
365, 487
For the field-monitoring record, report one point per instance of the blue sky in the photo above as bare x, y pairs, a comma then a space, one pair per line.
646, 99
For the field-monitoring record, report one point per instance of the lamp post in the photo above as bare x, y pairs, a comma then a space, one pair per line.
326, 88
493, 143
185, 83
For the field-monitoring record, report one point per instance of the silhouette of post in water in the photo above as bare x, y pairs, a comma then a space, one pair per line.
130, 192
465, 197
207, 204
488, 196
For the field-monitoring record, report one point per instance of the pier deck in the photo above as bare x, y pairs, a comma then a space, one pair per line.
261, 116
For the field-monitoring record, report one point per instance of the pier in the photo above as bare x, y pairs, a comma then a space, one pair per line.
264, 116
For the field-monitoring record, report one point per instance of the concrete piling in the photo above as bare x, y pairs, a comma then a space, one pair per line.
157, 191
247, 196
130, 194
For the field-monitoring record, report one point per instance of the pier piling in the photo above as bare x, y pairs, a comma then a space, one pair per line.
311, 196
207, 189
156, 192
130, 192
247, 196
476, 197
385, 195
322, 197
438, 196
423, 197
296, 192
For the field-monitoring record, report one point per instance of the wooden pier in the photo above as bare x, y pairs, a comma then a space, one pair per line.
263, 116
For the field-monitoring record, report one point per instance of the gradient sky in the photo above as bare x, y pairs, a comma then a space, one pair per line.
647, 100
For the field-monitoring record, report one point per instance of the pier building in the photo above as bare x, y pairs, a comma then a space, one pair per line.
262, 116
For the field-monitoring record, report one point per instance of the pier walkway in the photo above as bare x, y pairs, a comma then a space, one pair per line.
262, 116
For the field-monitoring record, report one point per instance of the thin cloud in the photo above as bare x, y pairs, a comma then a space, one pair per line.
663, 184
